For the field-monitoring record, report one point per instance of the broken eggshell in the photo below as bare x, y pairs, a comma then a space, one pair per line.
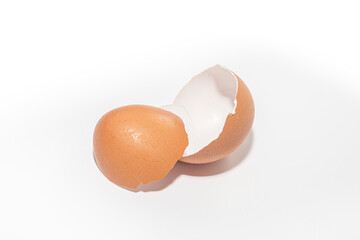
217, 110
210, 117
138, 144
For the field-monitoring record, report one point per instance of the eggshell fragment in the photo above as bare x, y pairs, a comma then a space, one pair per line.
217, 110
204, 104
235, 131
138, 144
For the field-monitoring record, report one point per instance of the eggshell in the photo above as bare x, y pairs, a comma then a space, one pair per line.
138, 144
236, 128
203, 104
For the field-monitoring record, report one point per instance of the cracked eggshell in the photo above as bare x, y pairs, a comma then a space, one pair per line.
236, 129
218, 112
210, 118
138, 144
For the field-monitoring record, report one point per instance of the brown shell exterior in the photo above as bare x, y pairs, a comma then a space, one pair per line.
138, 144
236, 129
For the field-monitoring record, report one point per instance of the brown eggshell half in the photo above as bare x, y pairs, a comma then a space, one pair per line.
236, 128
138, 144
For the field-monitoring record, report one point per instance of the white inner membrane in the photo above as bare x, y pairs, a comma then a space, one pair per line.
204, 104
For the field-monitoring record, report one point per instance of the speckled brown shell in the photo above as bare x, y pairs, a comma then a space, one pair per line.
138, 144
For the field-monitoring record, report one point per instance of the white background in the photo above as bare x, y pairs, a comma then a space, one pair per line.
65, 63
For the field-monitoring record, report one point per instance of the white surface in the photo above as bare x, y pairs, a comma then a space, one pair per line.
65, 63
204, 104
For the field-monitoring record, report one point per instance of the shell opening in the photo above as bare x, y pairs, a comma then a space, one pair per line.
204, 104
